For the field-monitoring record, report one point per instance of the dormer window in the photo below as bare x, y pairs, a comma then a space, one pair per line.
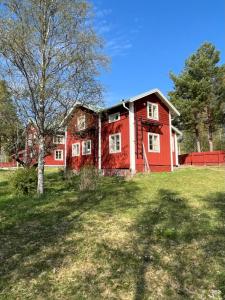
81, 123
152, 111
114, 117
58, 139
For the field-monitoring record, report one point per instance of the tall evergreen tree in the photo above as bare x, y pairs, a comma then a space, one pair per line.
199, 92
10, 125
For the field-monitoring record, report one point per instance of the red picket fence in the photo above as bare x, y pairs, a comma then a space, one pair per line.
11, 164
202, 158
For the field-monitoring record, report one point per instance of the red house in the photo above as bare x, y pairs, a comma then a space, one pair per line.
135, 135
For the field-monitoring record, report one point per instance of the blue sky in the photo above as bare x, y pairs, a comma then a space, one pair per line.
147, 39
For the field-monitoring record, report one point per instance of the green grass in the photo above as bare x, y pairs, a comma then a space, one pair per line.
157, 236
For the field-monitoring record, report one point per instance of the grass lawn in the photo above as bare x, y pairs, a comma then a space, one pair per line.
157, 236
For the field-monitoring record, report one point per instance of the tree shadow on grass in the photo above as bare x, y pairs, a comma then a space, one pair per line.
215, 245
171, 243
33, 231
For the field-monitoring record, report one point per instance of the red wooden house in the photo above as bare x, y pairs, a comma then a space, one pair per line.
135, 135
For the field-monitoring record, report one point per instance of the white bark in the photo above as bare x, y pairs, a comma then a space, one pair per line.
41, 154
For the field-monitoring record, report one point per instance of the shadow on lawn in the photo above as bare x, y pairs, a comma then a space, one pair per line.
180, 242
33, 231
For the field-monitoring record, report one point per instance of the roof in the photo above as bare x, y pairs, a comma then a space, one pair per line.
163, 98
176, 130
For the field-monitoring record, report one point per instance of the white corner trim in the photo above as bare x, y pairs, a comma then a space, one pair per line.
99, 142
176, 151
65, 156
171, 153
132, 138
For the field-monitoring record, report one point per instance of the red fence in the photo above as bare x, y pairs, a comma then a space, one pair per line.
11, 164
202, 158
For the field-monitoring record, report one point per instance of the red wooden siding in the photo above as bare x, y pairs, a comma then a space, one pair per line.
119, 160
203, 158
157, 161
11, 164
91, 133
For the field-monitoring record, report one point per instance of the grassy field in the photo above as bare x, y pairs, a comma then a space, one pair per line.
157, 236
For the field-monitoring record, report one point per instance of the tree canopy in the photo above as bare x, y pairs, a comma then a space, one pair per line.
199, 93
52, 57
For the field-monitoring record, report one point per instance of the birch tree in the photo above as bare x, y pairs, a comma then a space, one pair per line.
50, 57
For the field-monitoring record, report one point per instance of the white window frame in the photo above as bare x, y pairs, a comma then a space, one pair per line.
82, 117
56, 141
112, 116
158, 138
30, 140
150, 106
59, 150
78, 153
83, 147
110, 149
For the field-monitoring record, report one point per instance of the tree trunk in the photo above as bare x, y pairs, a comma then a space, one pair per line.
197, 137
41, 154
210, 138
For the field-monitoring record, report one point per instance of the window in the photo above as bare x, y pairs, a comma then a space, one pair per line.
81, 124
114, 117
58, 139
86, 147
115, 143
153, 142
76, 149
30, 140
152, 111
58, 154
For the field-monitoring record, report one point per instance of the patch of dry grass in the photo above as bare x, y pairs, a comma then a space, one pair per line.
157, 236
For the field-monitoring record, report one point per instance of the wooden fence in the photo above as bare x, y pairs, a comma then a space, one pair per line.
202, 158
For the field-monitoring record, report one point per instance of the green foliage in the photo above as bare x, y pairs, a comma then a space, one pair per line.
10, 126
24, 181
199, 92
88, 178
153, 237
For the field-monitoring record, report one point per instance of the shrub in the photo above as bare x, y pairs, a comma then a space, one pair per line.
88, 178
24, 181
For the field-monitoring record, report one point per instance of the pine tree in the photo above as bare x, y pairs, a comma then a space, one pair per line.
199, 93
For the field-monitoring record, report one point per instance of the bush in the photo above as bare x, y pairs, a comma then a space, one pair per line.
24, 181
88, 178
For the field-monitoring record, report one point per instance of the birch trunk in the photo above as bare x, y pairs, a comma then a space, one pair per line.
40, 186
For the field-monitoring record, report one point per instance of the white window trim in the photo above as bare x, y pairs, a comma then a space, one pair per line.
61, 152
116, 151
83, 142
73, 155
158, 136
153, 104
78, 122
55, 139
112, 115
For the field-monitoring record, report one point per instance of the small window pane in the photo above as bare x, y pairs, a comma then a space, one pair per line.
86, 147
114, 143
81, 124
76, 149
114, 117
